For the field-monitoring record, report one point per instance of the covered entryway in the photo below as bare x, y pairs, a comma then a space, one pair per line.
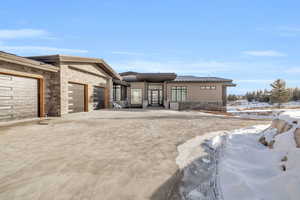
98, 98
76, 95
19, 97
155, 94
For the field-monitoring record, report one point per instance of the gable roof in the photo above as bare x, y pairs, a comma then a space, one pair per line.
66, 58
12, 58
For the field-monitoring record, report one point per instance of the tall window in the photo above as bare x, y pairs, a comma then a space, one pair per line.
117, 93
179, 93
136, 96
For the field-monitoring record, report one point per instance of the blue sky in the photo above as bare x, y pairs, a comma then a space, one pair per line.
252, 42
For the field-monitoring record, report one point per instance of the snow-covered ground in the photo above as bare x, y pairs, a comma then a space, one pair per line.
258, 110
232, 107
236, 166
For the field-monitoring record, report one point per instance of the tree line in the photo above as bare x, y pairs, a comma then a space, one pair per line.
278, 94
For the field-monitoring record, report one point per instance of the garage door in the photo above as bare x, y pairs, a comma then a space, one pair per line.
98, 97
76, 98
18, 97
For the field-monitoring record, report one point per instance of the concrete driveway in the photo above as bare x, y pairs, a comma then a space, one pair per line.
104, 155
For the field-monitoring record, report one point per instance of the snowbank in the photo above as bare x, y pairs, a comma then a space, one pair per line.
261, 162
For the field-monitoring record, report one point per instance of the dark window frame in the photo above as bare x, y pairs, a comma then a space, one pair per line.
122, 93
179, 93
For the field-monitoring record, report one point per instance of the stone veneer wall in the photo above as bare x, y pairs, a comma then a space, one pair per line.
79, 73
211, 106
51, 80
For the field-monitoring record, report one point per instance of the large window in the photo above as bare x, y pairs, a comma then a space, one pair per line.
117, 93
179, 93
136, 96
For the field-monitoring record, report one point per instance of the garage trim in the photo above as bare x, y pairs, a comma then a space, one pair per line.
41, 90
86, 94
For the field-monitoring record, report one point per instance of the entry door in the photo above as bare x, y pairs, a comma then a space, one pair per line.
18, 97
76, 97
99, 99
154, 97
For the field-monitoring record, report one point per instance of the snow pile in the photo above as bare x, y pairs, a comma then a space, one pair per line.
259, 162
198, 159
250, 170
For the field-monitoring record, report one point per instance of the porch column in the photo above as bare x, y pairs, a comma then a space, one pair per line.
145, 99
165, 95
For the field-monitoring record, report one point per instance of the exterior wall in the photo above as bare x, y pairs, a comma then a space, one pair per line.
51, 84
196, 97
136, 85
195, 94
89, 74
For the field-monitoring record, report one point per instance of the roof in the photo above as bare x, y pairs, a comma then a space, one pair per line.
67, 58
119, 82
128, 73
151, 77
12, 58
200, 79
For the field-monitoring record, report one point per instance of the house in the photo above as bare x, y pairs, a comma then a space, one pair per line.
171, 91
53, 85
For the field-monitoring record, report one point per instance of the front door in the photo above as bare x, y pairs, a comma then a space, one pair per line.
154, 97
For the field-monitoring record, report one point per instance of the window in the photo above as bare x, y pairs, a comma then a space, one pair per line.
179, 93
208, 87
136, 96
123, 93
117, 93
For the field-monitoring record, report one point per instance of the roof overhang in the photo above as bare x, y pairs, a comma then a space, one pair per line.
10, 58
119, 82
76, 59
156, 77
229, 84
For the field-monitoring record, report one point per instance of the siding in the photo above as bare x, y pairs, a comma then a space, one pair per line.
51, 86
195, 94
89, 74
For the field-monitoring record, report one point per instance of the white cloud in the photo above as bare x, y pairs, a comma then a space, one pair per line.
267, 53
40, 49
293, 70
127, 53
23, 33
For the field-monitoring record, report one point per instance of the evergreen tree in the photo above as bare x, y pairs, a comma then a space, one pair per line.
279, 93
232, 97
296, 94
